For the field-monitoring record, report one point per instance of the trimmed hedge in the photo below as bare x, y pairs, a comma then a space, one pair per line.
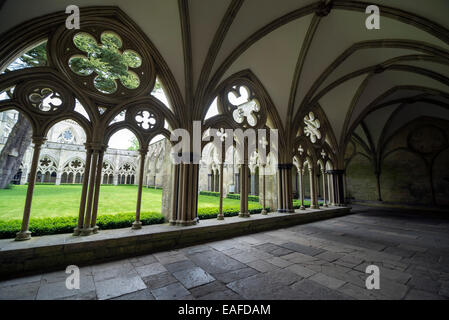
58, 225
236, 196
210, 213
210, 193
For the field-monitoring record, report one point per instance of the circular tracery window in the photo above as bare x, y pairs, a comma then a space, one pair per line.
146, 119
106, 61
66, 136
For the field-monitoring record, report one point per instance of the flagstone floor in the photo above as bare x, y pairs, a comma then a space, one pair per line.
320, 260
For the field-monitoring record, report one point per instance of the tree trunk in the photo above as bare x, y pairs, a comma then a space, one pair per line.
12, 154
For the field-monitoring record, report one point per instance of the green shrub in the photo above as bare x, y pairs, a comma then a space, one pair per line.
236, 196
58, 225
210, 213
210, 193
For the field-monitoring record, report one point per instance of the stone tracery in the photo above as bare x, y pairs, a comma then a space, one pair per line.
241, 100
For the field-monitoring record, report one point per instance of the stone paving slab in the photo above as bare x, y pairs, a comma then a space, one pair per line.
320, 260
20, 258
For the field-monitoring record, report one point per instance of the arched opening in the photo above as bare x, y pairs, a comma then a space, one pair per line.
214, 175
61, 166
119, 169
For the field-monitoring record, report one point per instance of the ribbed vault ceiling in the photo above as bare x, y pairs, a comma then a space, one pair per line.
301, 59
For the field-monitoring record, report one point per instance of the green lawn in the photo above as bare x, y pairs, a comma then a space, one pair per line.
63, 201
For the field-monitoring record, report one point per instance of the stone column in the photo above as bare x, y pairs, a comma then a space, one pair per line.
285, 188
244, 184
212, 181
23, 179
209, 182
264, 212
253, 183
87, 230
323, 174
77, 230
301, 182
58, 177
24, 234
185, 193
338, 187
220, 209
313, 193
279, 190
98, 178
379, 193
217, 181
295, 177
138, 224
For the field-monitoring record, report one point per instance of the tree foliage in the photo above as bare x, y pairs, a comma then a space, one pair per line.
134, 144
36, 57
106, 61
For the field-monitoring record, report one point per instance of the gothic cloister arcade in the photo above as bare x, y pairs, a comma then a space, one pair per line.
284, 101
313, 136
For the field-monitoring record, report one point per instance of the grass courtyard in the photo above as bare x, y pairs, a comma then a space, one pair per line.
50, 201
55, 208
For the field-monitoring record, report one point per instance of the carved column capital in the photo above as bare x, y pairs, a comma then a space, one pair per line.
143, 151
38, 141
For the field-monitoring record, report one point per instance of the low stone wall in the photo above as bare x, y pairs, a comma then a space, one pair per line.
50, 253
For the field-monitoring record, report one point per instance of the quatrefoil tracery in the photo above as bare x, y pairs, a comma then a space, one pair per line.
244, 105
312, 126
45, 99
45, 162
146, 120
97, 59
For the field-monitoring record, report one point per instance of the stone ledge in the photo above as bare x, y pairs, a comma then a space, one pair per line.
49, 253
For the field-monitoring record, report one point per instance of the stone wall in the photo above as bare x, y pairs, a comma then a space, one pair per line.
413, 169
360, 179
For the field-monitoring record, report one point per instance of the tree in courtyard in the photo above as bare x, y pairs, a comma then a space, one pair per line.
19, 138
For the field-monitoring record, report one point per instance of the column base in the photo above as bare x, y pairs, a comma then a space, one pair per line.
95, 229
183, 223
23, 236
281, 210
76, 232
136, 225
291, 211
314, 207
264, 212
86, 232
302, 208
244, 215
326, 206
220, 217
